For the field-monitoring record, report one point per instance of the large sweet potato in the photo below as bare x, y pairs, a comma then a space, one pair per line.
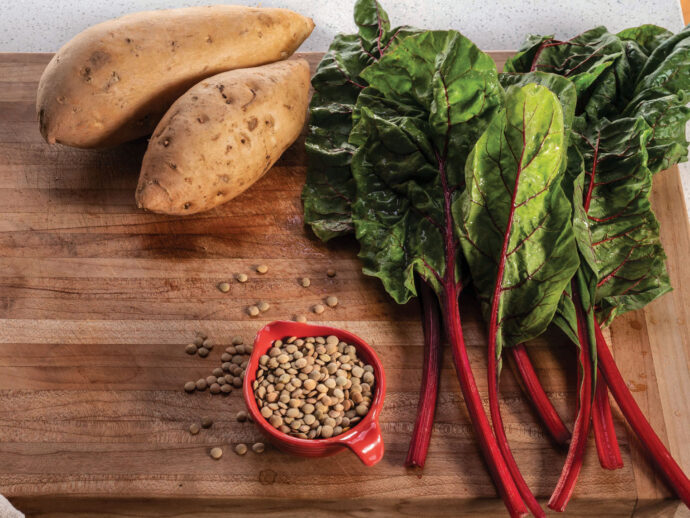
114, 81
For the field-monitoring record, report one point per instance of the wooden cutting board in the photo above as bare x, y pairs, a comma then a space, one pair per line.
98, 299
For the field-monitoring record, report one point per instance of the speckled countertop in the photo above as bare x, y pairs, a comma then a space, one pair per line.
43, 25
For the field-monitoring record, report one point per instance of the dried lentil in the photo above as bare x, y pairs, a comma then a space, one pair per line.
262, 268
194, 428
318, 309
241, 449
332, 301
190, 386
253, 311
242, 277
216, 453
190, 349
206, 422
224, 287
258, 447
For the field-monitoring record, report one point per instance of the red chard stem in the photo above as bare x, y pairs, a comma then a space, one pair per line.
535, 393
658, 453
431, 372
573, 463
604, 432
487, 442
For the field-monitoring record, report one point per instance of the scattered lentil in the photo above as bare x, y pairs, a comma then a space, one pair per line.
226, 389
258, 447
318, 309
263, 306
241, 416
206, 422
332, 301
224, 287
300, 318
253, 311
198, 341
237, 340
208, 343
241, 449
305, 282
262, 268
194, 428
330, 272
190, 386
242, 277
190, 349
201, 384
215, 388
216, 453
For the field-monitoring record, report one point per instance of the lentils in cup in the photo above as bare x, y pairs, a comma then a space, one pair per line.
314, 387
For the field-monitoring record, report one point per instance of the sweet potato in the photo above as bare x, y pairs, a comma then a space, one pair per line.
221, 136
114, 81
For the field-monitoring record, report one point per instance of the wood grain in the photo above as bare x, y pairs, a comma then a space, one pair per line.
98, 299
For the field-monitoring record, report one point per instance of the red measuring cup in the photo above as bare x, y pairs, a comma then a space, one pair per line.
364, 439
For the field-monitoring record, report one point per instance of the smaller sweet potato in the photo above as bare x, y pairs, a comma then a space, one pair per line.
221, 136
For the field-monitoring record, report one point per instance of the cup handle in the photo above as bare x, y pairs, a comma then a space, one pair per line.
368, 444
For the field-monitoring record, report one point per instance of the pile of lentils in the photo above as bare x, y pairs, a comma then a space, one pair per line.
313, 388
229, 375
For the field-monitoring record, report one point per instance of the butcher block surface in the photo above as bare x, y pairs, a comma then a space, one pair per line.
98, 300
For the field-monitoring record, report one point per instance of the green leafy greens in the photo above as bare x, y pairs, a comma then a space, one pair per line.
330, 189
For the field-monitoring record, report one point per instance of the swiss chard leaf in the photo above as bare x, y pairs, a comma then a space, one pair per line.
523, 60
640, 72
660, 97
559, 85
429, 101
329, 189
640, 42
624, 232
517, 236
582, 59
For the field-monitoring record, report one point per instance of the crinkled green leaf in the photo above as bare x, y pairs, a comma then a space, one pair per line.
667, 116
517, 236
429, 101
524, 58
661, 96
648, 37
624, 230
329, 188
640, 42
668, 67
640, 72
582, 59
373, 24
